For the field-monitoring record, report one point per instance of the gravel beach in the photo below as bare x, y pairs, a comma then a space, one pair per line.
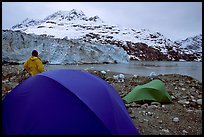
181, 117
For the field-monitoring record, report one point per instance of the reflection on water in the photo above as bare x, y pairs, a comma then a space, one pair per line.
143, 68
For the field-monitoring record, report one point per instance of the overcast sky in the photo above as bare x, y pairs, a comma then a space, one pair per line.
175, 20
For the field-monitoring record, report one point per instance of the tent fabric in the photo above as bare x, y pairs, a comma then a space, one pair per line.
152, 91
65, 102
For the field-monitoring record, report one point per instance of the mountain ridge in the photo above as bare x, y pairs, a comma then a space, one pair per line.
75, 24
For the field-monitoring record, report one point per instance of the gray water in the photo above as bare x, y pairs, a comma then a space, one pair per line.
143, 68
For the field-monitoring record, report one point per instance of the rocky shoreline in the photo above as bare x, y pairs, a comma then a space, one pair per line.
181, 117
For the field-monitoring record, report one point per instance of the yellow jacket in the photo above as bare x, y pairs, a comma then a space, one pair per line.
34, 65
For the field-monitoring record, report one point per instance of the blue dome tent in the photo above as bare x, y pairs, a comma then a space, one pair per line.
67, 102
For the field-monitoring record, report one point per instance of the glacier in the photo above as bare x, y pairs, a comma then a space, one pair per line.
17, 47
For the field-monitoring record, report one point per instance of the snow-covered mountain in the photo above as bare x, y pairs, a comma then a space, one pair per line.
192, 43
27, 23
140, 44
75, 24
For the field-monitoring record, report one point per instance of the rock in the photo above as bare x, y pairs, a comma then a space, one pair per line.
127, 105
121, 76
181, 84
13, 78
133, 104
176, 119
141, 121
188, 82
103, 72
178, 94
135, 76
193, 100
5, 81
132, 115
163, 106
146, 120
193, 104
121, 80
129, 110
137, 105
173, 97
115, 76
184, 97
122, 95
160, 121
189, 110
200, 96
192, 89
165, 130
155, 103
144, 113
152, 106
199, 101
152, 74
183, 102
184, 132
144, 105
150, 113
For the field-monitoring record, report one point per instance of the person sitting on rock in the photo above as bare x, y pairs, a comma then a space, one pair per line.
34, 64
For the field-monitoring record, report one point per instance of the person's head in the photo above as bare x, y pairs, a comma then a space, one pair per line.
35, 53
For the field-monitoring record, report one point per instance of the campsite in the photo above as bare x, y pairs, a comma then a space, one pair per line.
97, 68
183, 116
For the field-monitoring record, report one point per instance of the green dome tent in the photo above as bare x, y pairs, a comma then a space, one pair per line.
152, 91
